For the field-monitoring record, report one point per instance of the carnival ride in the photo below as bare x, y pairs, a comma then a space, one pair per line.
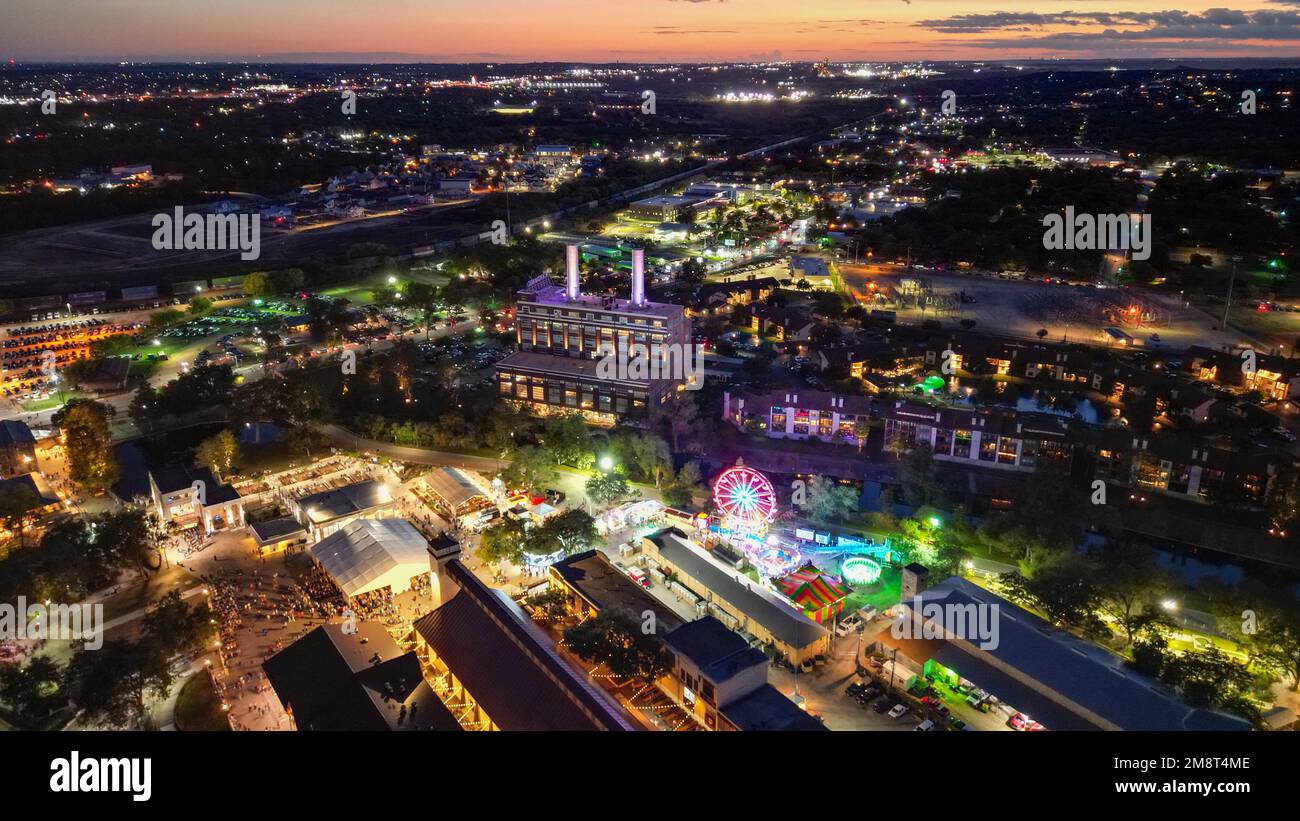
746, 504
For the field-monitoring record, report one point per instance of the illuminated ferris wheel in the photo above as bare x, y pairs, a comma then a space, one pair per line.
745, 498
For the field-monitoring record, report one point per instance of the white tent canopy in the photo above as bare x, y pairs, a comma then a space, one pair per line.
371, 554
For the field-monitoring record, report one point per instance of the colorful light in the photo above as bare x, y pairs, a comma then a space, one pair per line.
745, 496
860, 570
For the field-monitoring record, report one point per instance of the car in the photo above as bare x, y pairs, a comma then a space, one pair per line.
1023, 723
1284, 434
884, 705
925, 726
898, 711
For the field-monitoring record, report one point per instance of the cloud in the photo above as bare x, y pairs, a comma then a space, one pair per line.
1218, 24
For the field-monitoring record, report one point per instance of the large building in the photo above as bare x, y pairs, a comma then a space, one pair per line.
989, 437
740, 604
563, 334
718, 676
17, 448
721, 680
329, 511
188, 496
337, 678
485, 656
1062, 682
368, 555
800, 414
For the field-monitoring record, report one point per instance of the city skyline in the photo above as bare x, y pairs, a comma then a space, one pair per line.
647, 31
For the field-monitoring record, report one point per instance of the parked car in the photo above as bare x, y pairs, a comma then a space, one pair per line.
884, 705
898, 712
925, 726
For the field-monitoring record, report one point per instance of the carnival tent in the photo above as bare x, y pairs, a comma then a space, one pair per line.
819, 594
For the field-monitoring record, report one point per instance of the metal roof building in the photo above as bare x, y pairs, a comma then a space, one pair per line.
371, 554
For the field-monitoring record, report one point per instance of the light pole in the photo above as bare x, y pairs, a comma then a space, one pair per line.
1228, 302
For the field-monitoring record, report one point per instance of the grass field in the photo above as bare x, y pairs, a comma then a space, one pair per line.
198, 707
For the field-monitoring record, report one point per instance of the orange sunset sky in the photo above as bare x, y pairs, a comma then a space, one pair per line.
642, 30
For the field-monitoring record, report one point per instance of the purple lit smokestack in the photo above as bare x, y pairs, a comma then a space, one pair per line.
571, 271
638, 277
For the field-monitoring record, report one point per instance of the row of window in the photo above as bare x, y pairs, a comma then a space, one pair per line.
568, 394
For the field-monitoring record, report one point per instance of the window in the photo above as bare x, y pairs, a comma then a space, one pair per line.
943, 441
961, 444
988, 448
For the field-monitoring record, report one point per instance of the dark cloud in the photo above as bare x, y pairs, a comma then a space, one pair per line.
1217, 24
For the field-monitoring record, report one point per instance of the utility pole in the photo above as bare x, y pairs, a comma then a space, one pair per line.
1228, 303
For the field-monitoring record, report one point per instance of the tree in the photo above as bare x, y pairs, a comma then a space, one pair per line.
35, 690
530, 468
88, 442
687, 485
1280, 642
200, 305
143, 408
918, 477
1129, 580
567, 439
503, 542
619, 640
304, 439
651, 456
114, 681
1064, 590
219, 452
120, 540
552, 604
255, 284
175, 627
829, 501
424, 298
572, 531
605, 488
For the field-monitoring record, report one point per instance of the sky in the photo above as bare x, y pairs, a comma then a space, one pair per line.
642, 30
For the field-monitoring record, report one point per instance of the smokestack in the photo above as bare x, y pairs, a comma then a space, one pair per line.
571, 271
638, 277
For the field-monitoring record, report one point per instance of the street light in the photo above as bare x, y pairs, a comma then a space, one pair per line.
605, 463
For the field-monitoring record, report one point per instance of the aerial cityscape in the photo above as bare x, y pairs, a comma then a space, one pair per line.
687, 367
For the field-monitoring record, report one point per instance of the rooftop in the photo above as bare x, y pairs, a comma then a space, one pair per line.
331, 679
1083, 674
370, 554
718, 651
344, 501
766, 709
15, 432
603, 585
777, 617
509, 667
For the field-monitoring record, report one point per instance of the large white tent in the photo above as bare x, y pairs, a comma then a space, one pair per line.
371, 554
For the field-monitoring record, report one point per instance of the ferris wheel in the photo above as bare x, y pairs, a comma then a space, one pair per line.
745, 497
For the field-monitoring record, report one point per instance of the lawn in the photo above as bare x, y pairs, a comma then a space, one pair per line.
198, 707
883, 594
54, 400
